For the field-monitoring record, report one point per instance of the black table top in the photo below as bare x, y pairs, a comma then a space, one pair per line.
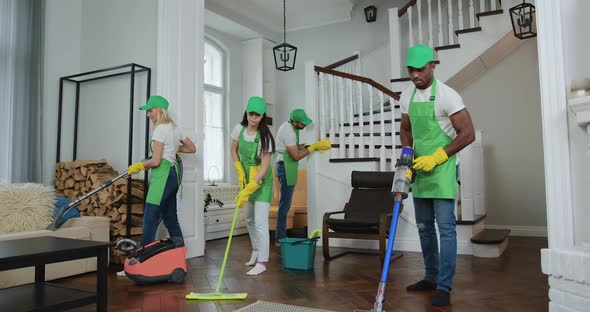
11, 250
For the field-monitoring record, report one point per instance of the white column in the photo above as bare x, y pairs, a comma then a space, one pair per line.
382, 150
471, 14
440, 24
341, 103
409, 12
332, 83
451, 34
351, 149
420, 34
180, 47
322, 106
430, 39
371, 121
460, 5
361, 118
492, 5
394, 44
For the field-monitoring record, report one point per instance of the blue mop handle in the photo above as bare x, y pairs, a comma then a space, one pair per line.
391, 240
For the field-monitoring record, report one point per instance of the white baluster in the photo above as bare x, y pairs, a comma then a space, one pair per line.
332, 128
420, 38
460, 5
393, 136
351, 150
410, 26
371, 131
361, 119
440, 27
471, 14
341, 104
430, 39
382, 150
482, 6
492, 5
451, 35
322, 109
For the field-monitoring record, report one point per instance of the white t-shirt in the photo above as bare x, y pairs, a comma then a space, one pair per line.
235, 135
285, 137
170, 136
446, 103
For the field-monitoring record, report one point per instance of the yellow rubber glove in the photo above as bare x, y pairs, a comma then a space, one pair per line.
254, 171
244, 194
427, 163
135, 168
241, 174
321, 146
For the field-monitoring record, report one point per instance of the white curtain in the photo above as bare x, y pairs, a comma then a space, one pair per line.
21, 54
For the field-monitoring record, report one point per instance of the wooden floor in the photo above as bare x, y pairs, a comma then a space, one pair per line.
513, 282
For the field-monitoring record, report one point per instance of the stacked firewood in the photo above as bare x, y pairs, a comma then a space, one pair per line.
77, 178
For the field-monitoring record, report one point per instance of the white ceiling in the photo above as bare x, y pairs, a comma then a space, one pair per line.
265, 17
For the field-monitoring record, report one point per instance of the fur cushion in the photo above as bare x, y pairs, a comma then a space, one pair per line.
26, 207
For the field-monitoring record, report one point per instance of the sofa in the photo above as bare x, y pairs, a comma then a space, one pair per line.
87, 228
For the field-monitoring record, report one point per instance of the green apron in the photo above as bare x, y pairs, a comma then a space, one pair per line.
248, 152
291, 165
428, 136
159, 179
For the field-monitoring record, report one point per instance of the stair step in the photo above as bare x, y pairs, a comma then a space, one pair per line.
378, 111
488, 13
365, 134
366, 123
401, 79
345, 160
467, 30
477, 219
447, 47
377, 146
490, 236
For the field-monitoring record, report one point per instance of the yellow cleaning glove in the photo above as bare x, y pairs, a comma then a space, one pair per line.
244, 194
135, 168
241, 174
254, 171
322, 146
427, 163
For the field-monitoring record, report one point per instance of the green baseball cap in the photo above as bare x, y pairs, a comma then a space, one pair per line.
299, 115
256, 104
155, 101
419, 55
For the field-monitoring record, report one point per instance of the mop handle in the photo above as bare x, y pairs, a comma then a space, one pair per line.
231, 233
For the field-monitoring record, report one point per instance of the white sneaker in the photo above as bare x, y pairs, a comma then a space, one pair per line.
253, 258
258, 269
121, 274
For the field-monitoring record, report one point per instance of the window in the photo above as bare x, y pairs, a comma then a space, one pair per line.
214, 157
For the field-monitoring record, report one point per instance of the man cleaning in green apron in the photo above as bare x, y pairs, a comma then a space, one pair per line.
289, 152
437, 124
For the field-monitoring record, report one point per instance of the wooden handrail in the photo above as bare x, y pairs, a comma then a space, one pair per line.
405, 8
370, 81
342, 62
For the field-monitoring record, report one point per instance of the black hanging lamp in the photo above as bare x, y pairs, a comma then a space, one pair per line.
523, 20
371, 13
285, 53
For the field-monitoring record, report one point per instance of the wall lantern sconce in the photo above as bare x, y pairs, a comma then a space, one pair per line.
523, 20
285, 53
371, 13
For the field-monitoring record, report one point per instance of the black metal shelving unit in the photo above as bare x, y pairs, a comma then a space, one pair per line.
130, 69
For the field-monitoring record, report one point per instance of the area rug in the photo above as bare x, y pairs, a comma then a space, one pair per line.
265, 306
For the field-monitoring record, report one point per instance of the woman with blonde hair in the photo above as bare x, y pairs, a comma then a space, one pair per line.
166, 141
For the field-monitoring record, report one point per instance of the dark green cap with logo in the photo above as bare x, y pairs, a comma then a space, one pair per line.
256, 104
299, 115
419, 55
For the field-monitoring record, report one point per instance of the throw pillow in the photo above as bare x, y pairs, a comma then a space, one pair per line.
25, 207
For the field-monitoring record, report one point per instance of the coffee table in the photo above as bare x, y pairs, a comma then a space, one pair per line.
43, 296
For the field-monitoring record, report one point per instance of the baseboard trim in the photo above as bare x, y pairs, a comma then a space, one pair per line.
517, 230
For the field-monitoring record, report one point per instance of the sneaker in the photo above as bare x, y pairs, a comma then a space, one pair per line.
421, 286
257, 270
253, 258
441, 298
121, 274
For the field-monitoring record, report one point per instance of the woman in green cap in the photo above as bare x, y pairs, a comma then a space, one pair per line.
252, 149
166, 141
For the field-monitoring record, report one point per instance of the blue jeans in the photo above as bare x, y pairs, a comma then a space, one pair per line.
166, 211
440, 269
284, 202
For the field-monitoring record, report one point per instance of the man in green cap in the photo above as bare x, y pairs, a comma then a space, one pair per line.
437, 124
289, 152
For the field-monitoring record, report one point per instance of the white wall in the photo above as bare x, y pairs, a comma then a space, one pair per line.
505, 104
87, 35
233, 48
328, 44
577, 68
63, 23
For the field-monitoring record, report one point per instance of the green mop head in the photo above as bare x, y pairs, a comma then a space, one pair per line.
217, 296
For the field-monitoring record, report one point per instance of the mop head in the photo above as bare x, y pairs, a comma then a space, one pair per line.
217, 296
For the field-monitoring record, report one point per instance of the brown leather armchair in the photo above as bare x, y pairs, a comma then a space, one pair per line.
367, 214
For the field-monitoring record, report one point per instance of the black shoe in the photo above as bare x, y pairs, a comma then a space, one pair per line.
422, 285
441, 298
